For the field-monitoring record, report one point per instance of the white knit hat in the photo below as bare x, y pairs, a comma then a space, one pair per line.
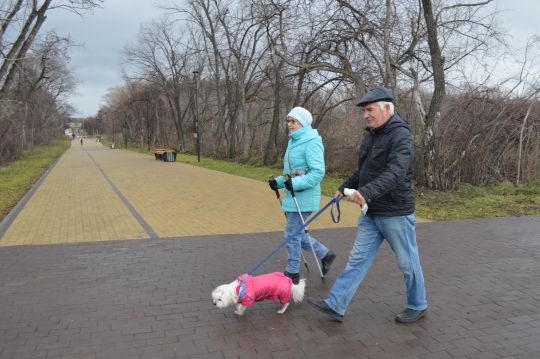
301, 115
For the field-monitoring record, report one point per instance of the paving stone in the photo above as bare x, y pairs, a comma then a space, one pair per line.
151, 298
97, 190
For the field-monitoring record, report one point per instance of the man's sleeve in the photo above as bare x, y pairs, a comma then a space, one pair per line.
354, 180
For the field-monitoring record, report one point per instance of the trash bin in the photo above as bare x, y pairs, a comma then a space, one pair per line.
170, 156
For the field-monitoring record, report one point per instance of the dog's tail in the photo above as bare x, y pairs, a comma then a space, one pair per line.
297, 291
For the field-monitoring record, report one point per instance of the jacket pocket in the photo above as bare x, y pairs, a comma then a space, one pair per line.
378, 152
361, 153
377, 160
401, 197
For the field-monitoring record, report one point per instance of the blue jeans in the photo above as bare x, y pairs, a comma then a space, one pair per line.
297, 240
400, 233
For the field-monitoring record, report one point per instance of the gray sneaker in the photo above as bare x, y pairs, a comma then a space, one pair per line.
322, 307
409, 315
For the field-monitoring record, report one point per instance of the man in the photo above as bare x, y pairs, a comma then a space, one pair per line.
383, 180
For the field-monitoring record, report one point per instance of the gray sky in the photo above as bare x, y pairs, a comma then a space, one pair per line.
97, 63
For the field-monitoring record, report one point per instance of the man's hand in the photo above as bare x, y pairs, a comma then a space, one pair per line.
338, 195
357, 198
272, 183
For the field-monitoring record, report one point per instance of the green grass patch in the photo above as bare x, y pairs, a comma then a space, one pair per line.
18, 176
468, 202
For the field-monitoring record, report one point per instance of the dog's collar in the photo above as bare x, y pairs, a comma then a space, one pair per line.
242, 290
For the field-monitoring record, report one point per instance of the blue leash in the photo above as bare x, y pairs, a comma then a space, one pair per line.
278, 248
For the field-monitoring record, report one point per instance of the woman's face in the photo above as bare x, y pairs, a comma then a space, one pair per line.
293, 124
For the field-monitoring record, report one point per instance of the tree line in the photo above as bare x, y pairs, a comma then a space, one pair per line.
35, 80
227, 72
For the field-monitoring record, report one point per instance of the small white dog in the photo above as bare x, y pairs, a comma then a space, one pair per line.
246, 290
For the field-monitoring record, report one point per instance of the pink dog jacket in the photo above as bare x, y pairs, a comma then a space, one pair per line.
269, 286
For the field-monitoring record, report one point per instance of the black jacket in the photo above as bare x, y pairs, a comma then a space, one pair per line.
385, 169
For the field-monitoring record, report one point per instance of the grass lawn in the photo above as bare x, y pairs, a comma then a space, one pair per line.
18, 176
465, 203
480, 202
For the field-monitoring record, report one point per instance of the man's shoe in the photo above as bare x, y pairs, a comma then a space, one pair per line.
322, 307
409, 315
326, 261
294, 276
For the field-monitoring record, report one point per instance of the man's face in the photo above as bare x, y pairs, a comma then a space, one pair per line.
374, 115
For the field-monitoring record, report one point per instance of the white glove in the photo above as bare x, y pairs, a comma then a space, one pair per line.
348, 192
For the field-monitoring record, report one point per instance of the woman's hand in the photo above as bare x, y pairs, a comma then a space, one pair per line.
272, 183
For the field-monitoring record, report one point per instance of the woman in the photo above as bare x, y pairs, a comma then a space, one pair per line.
304, 162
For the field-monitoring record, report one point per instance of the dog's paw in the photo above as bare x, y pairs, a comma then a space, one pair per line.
283, 308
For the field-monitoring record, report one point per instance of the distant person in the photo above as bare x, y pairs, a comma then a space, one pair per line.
304, 162
72, 136
81, 140
383, 180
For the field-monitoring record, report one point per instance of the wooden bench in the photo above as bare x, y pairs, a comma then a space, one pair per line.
159, 152
165, 154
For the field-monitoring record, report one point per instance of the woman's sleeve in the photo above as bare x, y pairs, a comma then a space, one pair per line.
281, 179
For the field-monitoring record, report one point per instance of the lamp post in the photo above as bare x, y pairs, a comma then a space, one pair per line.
113, 129
124, 130
147, 119
147, 126
196, 115
112, 115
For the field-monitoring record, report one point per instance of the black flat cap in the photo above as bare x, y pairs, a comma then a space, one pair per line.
375, 95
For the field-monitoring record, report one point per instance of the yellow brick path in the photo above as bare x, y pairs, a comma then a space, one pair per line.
76, 203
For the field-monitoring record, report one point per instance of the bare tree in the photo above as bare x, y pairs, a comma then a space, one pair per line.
262, 58
230, 37
161, 56
434, 113
35, 111
32, 15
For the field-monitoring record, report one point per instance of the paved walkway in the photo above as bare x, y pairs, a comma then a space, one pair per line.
97, 194
151, 298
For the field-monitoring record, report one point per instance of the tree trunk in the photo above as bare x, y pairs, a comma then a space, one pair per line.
434, 114
518, 174
10, 17
21, 46
271, 143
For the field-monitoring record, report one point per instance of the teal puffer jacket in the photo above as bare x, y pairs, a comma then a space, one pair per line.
305, 152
